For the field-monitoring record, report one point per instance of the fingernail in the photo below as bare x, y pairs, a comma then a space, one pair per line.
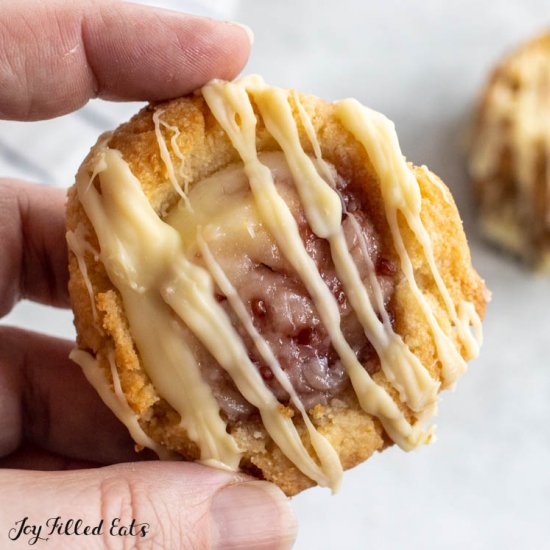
253, 514
246, 29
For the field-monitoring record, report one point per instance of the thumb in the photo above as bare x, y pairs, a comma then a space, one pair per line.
144, 505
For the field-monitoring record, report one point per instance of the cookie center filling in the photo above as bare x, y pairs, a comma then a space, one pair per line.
224, 214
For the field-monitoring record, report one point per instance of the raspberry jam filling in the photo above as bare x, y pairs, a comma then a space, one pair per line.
286, 317
276, 299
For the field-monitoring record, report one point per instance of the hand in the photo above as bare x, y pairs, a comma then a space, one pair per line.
54, 56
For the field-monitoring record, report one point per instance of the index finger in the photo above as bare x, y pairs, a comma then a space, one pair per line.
56, 55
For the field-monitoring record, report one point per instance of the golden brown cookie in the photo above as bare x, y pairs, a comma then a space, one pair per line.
509, 157
260, 281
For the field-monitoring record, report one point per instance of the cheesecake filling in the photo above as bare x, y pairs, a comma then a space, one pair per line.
276, 300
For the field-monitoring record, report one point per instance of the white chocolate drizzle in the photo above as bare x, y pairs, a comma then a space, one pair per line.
116, 400
78, 245
401, 193
326, 453
144, 260
165, 155
163, 291
137, 248
324, 214
401, 367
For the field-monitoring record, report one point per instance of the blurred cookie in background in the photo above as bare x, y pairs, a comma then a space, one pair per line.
509, 157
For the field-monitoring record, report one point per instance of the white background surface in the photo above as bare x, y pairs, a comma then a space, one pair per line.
485, 484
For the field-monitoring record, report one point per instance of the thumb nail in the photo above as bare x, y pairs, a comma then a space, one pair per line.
253, 514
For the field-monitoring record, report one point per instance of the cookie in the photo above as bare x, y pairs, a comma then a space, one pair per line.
261, 282
509, 156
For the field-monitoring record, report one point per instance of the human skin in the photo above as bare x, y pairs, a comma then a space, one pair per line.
62, 452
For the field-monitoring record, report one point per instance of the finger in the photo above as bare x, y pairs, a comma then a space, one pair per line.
45, 400
56, 55
32, 244
172, 505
